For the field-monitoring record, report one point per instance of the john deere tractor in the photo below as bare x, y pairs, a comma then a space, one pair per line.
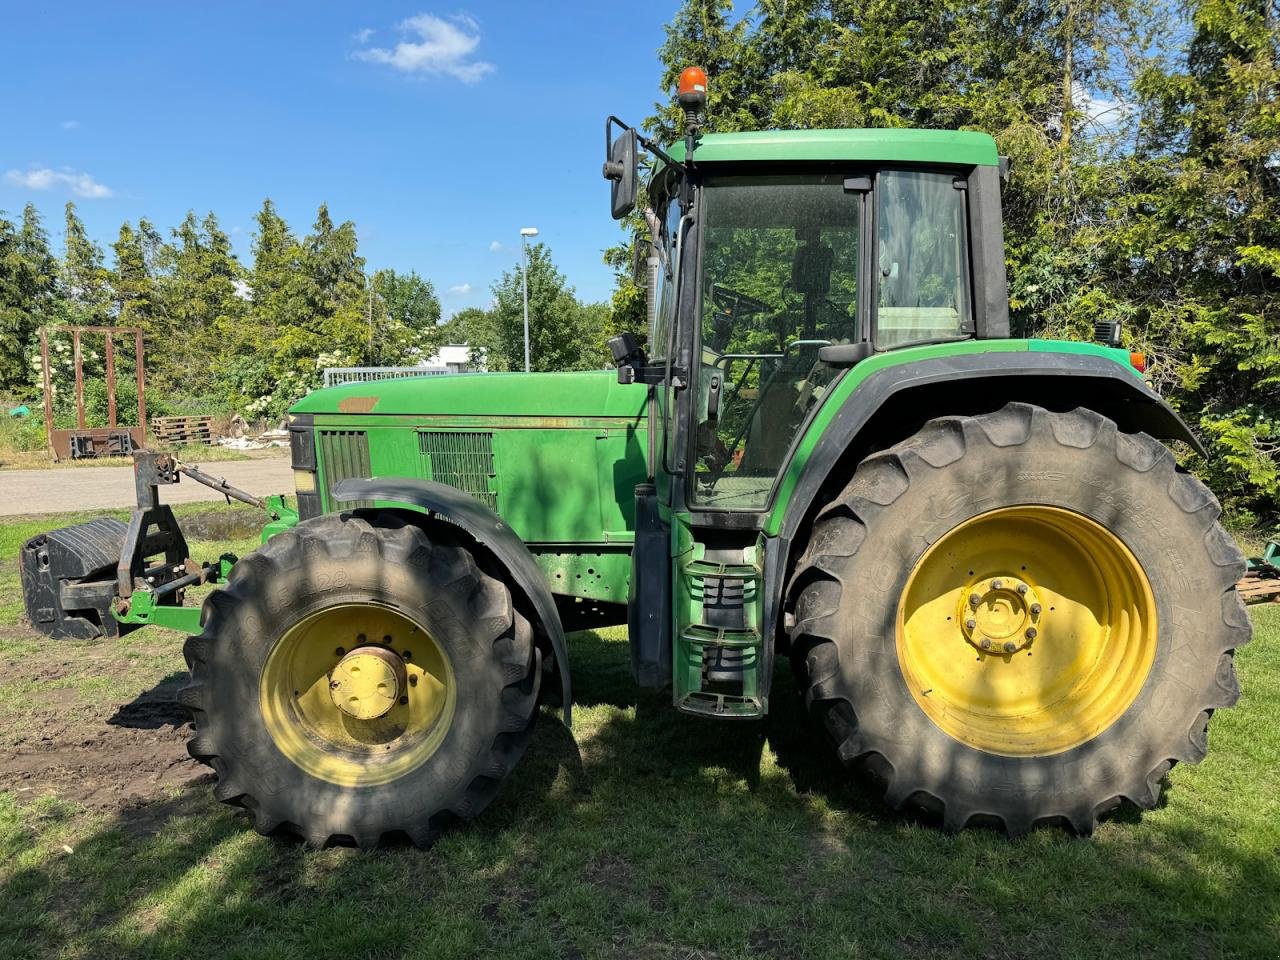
1001, 597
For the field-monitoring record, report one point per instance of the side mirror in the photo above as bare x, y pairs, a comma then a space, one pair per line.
627, 356
622, 173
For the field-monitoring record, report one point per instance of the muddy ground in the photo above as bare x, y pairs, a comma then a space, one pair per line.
103, 755
97, 723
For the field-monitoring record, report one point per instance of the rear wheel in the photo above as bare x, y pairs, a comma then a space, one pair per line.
360, 678
1020, 617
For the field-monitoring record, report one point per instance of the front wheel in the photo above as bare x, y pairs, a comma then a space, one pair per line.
1018, 618
359, 679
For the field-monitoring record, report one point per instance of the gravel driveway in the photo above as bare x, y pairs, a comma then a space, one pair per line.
85, 488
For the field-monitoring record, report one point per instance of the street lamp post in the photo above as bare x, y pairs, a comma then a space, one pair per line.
525, 234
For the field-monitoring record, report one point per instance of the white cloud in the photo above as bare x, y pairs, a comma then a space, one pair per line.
1099, 111
45, 178
459, 290
70, 124
443, 47
362, 35
496, 246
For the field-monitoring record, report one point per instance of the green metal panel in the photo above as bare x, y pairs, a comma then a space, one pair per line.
593, 575
960, 147
556, 456
555, 397
847, 384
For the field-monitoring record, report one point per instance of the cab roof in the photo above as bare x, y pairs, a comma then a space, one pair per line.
962, 147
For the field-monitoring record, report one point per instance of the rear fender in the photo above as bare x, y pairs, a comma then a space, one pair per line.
488, 530
896, 401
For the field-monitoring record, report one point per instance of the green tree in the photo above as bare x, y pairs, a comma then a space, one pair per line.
477, 329
408, 316
28, 278
1192, 241
202, 294
133, 279
563, 334
280, 298
85, 282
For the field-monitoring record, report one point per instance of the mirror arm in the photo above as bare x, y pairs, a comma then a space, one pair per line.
650, 145
654, 374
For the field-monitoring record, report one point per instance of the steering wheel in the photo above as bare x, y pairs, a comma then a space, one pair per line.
736, 304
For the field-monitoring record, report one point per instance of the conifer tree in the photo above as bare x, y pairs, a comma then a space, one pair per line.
85, 282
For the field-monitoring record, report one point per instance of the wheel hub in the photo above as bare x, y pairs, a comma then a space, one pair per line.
367, 682
1000, 615
1052, 691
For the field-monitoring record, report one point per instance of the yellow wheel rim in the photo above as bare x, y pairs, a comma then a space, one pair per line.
1026, 631
342, 700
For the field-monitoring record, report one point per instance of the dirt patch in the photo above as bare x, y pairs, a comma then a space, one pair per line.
106, 771
608, 872
103, 756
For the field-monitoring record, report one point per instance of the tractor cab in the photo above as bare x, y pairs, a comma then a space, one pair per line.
784, 261
784, 258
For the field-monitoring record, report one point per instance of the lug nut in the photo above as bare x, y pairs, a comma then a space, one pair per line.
386, 639
359, 638
340, 651
413, 680
407, 655
1010, 646
404, 700
970, 623
1031, 633
1035, 609
997, 584
1022, 589
985, 644
974, 600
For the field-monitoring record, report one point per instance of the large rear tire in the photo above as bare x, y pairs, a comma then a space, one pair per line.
1019, 618
360, 679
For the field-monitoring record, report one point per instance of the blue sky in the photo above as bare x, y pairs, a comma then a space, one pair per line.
439, 130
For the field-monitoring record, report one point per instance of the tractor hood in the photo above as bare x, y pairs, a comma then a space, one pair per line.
593, 393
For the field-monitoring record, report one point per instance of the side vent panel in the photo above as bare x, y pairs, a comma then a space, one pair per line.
462, 460
344, 455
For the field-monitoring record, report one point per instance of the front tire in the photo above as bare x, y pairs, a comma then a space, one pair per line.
1018, 618
360, 679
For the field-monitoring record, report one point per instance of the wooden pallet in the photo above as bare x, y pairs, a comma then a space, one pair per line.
1258, 589
183, 429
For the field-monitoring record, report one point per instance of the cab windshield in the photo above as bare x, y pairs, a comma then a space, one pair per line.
779, 280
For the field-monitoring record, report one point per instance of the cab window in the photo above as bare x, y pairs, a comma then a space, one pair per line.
922, 259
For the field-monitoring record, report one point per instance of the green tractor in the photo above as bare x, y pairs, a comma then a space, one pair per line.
1000, 595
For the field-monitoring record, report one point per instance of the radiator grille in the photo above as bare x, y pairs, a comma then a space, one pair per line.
344, 455
462, 460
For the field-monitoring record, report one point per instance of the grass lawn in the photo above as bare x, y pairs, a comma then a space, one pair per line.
641, 833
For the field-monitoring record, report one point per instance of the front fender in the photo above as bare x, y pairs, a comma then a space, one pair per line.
487, 529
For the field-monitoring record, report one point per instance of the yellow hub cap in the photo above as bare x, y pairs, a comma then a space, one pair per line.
367, 682
1026, 631
357, 694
